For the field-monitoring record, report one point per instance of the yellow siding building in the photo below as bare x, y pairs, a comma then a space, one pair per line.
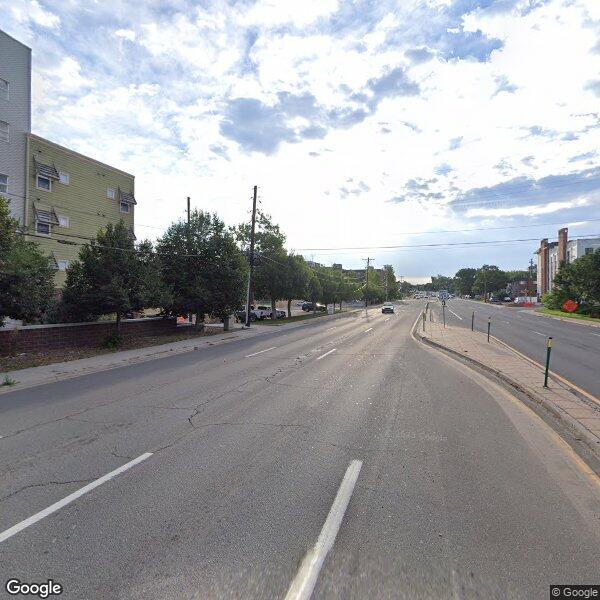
69, 198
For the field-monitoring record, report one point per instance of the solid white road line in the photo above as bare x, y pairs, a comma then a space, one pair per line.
304, 583
260, 352
71, 497
457, 316
598, 334
538, 333
326, 353
367, 330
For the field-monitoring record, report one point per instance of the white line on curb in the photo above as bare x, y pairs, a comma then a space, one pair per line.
326, 353
259, 352
71, 497
366, 330
304, 583
538, 333
457, 316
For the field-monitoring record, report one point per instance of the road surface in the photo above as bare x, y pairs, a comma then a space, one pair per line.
341, 458
576, 348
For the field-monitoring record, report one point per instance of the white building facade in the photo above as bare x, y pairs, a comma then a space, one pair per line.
15, 120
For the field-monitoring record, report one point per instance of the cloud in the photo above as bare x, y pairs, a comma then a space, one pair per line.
419, 55
504, 85
593, 86
126, 34
443, 169
455, 143
526, 191
584, 156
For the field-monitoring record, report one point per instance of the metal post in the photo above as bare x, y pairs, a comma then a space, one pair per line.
548, 350
444, 314
489, 325
251, 259
424, 317
473, 321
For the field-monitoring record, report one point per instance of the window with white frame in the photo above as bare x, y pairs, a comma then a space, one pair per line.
63, 265
64, 177
124, 207
42, 228
4, 88
3, 184
4, 131
63, 221
111, 193
43, 183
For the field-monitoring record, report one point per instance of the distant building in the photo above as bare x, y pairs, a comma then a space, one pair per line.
69, 198
552, 254
15, 120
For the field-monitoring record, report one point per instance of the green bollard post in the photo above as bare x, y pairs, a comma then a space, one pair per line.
548, 350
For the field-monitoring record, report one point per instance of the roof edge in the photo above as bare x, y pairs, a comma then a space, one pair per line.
78, 154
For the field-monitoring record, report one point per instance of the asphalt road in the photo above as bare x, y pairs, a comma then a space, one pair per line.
576, 347
397, 471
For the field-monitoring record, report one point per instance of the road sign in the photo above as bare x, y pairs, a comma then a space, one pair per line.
570, 306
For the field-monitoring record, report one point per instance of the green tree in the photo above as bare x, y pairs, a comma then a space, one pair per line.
26, 276
297, 277
489, 280
202, 267
464, 281
393, 288
107, 278
270, 257
578, 281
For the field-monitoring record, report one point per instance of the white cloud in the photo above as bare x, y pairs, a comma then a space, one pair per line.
126, 34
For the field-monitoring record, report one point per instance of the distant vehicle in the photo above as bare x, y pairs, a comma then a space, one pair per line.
308, 307
300, 303
507, 299
388, 307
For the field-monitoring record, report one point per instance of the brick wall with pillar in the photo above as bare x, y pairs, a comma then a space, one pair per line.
543, 267
562, 245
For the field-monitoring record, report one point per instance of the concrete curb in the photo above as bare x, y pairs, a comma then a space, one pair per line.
565, 319
160, 351
588, 437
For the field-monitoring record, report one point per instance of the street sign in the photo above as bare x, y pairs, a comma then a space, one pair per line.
570, 306
330, 309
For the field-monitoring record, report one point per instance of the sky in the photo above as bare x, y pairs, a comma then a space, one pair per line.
363, 123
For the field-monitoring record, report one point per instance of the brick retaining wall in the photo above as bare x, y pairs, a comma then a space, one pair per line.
39, 338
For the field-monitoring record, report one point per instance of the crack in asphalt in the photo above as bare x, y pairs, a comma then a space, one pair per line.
45, 484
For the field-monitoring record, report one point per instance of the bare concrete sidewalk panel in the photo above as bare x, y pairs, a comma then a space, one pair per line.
579, 413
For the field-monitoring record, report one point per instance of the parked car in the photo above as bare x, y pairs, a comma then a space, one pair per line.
388, 307
308, 307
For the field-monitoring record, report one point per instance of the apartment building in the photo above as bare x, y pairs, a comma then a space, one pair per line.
552, 254
69, 198
15, 120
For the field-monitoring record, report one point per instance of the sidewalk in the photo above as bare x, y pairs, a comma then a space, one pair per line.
581, 415
33, 376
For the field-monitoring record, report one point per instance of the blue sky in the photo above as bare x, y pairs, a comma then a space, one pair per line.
363, 122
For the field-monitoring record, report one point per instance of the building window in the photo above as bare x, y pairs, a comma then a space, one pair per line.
4, 131
4, 89
588, 250
3, 184
124, 207
63, 177
63, 265
42, 228
111, 193
63, 221
43, 183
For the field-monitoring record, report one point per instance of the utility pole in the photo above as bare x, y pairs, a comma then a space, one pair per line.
530, 281
386, 283
188, 250
368, 259
249, 296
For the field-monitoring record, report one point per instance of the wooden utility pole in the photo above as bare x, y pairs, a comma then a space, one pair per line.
251, 258
368, 259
